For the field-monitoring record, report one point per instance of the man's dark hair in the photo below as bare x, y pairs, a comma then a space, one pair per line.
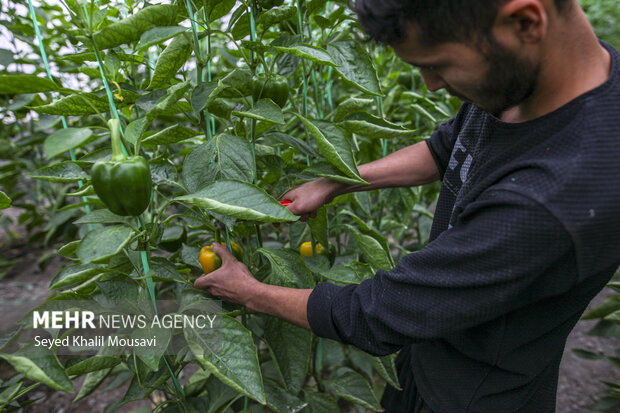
386, 21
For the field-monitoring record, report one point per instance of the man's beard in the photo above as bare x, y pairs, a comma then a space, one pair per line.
509, 80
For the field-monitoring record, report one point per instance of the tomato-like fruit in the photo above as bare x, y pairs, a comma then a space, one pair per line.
274, 88
210, 261
305, 249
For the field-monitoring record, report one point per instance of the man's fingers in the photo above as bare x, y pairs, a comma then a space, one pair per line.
202, 282
223, 252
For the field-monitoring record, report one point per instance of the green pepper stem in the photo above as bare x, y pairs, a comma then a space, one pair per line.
115, 133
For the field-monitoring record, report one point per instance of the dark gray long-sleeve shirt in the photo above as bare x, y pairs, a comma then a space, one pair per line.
526, 232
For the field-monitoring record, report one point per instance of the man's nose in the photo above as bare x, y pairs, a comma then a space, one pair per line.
432, 80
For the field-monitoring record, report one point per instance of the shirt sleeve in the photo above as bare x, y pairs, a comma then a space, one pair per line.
495, 259
441, 143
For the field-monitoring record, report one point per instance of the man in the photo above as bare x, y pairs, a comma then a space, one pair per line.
526, 229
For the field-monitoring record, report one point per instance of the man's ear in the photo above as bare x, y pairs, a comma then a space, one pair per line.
525, 21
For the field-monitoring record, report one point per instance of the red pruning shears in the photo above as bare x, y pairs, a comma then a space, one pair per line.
285, 203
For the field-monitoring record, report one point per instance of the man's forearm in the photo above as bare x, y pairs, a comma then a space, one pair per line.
286, 303
410, 166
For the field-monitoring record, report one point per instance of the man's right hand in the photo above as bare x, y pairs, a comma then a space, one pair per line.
409, 166
307, 198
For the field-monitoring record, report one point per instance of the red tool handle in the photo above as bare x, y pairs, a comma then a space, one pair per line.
286, 202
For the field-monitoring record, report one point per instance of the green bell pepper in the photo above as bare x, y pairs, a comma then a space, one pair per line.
123, 184
274, 88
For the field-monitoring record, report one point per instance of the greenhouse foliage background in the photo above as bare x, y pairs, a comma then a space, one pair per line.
188, 82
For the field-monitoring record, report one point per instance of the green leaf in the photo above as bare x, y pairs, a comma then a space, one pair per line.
172, 96
75, 274
122, 290
191, 255
287, 268
163, 171
219, 393
112, 64
170, 61
151, 356
308, 52
12, 392
143, 384
607, 307
355, 66
216, 9
351, 386
319, 227
100, 244
6, 57
335, 146
241, 27
91, 364
290, 347
234, 156
172, 134
65, 139
276, 15
328, 170
265, 110
135, 129
19, 84
372, 250
100, 216
5, 201
351, 106
91, 57
281, 400
163, 270
373, 131
228, 352
92, 381
321, 21
130, 29
40, 368
158, 35
294, 142
69, 249
75, 105
604, 328
613, 317
352, 273
201, 94
239, 200
320, 402
386, 368
67, 171
255, 46
588, 355
237, 83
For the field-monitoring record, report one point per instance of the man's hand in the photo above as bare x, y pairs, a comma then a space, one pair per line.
309, 197
232, 282
410, 166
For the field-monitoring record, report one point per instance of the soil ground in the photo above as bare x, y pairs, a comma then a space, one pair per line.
26, 285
